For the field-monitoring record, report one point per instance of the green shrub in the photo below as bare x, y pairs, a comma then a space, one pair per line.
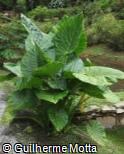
6, 3
111, 31
92, 10
11, 40
21, 6
52, 81
12, 37
105, 26
40, 13
119, 14
116, 38
46, 26
57, 4
92, 35
107, 29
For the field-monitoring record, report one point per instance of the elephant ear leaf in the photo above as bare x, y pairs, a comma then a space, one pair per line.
51, 97
30, 60
75, 66
69, 38
43, 41
99, 75
49, 69
59, 118
97, 79
111, 96
14, 68
107, 72
4, 75
96, 132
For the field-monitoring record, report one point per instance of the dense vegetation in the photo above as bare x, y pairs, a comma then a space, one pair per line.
96, 13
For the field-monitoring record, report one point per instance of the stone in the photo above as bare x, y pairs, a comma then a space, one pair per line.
108, 109
120, 111
120, 105
107, 121
8, 139
2, 96
88, 117
92, 108
2, 107
122, 121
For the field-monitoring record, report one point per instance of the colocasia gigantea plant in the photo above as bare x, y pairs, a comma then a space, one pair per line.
52, 80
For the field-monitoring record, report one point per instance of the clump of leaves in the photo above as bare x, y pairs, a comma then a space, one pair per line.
52, 81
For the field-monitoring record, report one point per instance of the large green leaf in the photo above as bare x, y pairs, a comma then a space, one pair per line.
57, 83
107, 72
24, 83
72, 103
23, 100
75, 66
49, 69
99, 76
58, 117
93, 80
99, 92
52, 97
14, 68
70, 36
30, 60
97, 132
4, 75
42, 40
110, 96
92, 90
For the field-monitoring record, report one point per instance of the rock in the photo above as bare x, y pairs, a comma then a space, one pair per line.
122, 121
120, 105
92, 108
89, 117
7, 139
94, 114
120, 111
2, 107
108, 109
107, 121
2, 96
